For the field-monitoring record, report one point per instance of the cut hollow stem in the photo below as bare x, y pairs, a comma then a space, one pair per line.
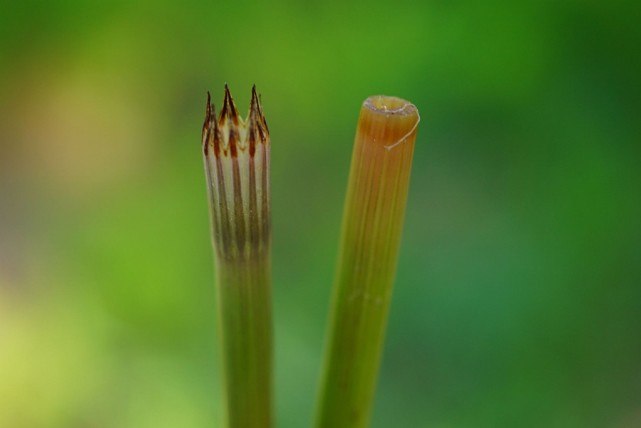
372, 223
236, 155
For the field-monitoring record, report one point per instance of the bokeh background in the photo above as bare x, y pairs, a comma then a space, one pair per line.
518, 296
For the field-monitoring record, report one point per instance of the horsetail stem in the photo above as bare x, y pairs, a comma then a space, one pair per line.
371, 231
236, 156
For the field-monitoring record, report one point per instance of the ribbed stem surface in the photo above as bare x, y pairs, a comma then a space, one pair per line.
371, 232
244, 316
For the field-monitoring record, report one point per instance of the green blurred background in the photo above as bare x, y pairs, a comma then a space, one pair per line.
518, 296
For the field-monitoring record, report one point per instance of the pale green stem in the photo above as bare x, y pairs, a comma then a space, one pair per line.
246, 337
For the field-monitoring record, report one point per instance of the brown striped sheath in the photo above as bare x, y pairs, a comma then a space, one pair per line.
236, 155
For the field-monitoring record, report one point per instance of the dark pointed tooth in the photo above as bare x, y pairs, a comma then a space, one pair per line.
216, 138
261, 114
229, 108
207, 123
253, 110
207, 112
223, 111
256, 117
254, 102
253, 122
211, 134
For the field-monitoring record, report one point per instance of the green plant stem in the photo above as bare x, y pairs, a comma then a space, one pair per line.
246, 338
371, 232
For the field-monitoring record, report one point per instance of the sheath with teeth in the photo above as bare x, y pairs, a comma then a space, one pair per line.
236, 156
